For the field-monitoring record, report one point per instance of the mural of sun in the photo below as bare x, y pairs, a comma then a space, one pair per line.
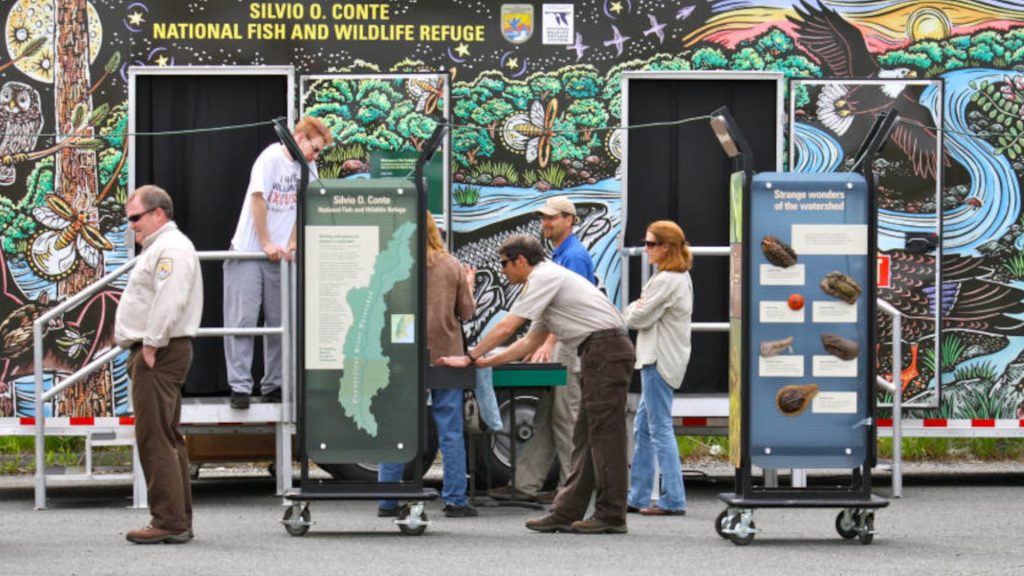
32, 19
928, 24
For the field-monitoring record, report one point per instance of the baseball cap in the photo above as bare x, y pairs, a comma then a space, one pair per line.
558, 205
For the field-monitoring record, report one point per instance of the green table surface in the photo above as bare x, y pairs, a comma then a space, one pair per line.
523, 375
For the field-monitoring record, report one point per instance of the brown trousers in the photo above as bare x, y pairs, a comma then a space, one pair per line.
599, 461
156, 397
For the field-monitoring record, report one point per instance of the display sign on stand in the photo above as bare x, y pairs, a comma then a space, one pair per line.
804, 285
360, 323
362, 342
809, 320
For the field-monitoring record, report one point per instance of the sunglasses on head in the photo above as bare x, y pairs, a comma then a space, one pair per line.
136, 217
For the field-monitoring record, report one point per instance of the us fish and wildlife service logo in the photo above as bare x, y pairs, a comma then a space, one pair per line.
164, 267
517, 22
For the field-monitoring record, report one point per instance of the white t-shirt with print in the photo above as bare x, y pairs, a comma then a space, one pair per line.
276, 176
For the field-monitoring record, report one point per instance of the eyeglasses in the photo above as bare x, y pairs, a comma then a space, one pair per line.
312, 146
136, 217
504, 263
649, 244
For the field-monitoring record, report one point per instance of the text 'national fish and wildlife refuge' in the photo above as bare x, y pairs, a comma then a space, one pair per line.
291, 21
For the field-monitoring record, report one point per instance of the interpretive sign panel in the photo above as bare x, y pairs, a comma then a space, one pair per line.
360, 308
811, 290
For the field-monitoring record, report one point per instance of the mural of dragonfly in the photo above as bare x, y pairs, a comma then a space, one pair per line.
532, 132
54, 252
427, 94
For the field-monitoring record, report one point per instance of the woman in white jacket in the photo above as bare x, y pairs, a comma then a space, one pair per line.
662, 317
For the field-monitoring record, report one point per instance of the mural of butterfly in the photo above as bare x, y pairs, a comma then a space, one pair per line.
54, 252
427, 94
532, 132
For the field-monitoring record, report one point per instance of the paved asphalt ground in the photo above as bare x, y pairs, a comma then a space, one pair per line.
946, 523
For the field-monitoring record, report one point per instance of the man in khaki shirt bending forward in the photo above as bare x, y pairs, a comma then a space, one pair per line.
157, 318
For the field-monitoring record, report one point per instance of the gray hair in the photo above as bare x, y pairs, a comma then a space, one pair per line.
152, 197
522, 245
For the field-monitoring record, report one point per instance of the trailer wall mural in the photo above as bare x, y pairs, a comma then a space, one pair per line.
534, 94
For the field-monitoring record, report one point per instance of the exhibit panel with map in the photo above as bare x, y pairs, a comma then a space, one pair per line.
360, 309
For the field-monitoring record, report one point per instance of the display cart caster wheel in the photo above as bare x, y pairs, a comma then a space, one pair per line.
846, 523
866, 528
296, 519
721, 522
412, 519
742, 528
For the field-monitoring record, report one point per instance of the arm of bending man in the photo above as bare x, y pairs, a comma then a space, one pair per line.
501, 332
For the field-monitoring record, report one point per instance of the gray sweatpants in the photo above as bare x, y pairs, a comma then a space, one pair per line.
248, 286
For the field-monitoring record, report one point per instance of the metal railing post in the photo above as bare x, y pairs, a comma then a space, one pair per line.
897, 396
40, 421
282, 429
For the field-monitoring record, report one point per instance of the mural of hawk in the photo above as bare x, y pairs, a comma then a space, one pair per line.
21, 121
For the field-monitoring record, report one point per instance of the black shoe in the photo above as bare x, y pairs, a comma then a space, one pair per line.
632, 510
453, 511
272, 396
239, 400
387, 512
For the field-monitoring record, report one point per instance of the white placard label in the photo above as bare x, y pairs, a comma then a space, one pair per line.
558, 23
834, 403
776, 276
338, 259
831, 239
834, 312
788, 366
778, 312
829, 366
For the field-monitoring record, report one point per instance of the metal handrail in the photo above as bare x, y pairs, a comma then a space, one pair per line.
645, 274
897, 395
41, 397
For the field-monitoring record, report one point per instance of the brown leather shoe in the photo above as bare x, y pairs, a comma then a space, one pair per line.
655, 511
597, 526
550, 523
151, 535
505, 493
546, 497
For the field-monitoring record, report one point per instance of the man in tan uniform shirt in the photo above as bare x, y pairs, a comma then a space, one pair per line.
157, 318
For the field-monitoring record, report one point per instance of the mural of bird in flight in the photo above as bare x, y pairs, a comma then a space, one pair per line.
849, 109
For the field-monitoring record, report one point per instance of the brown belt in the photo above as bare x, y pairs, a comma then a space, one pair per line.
598, 335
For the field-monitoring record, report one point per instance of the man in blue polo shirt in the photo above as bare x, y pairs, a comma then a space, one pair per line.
556, 412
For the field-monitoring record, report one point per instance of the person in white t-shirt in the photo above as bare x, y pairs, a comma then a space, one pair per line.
267, 224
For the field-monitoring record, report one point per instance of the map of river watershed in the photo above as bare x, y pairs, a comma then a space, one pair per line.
366, 368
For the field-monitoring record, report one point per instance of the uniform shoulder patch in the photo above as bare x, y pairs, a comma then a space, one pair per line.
164, 267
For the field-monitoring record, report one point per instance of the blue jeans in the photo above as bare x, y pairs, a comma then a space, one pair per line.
490, 414
655, 440
446, 405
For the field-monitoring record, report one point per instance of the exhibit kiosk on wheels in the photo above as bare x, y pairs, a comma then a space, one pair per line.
802, 366
361, 348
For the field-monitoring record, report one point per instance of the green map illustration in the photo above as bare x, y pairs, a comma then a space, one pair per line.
366, 368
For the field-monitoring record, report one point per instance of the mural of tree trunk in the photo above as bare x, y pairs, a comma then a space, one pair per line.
76, 179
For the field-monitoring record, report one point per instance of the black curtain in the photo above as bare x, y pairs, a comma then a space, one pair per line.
681, 173
206, 174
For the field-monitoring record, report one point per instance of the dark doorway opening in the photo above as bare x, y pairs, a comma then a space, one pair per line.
206, 174
681, 173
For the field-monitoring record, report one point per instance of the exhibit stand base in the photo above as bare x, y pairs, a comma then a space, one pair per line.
856, 518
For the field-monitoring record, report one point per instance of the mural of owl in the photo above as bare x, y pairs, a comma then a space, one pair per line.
21, 121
